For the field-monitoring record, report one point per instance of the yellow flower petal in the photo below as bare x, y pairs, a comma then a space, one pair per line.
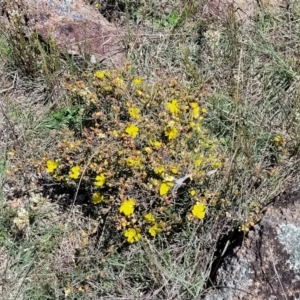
174, 170
133, 162
99, 74
165, 187
195, 109
149, 217
75, 172
68, 291
155, 144
216, 165
199, 210
192, 192
159, 170
148, 150
97, 198
132, 130
132, 234
168, 177
154, 230
173, 107
100, 180
134, 112
138, 81
51, 166
171, 133
127, 207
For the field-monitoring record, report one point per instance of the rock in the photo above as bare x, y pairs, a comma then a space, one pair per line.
267, 266
77, 28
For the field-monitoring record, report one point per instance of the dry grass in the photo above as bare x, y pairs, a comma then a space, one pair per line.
250, 79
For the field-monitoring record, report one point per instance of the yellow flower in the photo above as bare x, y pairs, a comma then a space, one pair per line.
278, 140
11, 154
130, 162
123, 222
171, 133
132, 130
139, 93
149, 217
195, 126
96, 5
159, 170
155, 144
148, 150
244, 227
199, 210
204, 110
192, 124
198, 162
134, 112
192, 192
154, 230
165, 187
132, 234
154, 182
115, 133
133, 162
127, 207
195, 109
168, 177
174, 170
100, 180
173, 107
97, 198
99, 74
216, 165
138, 81
75, 172
51, 165
68, 291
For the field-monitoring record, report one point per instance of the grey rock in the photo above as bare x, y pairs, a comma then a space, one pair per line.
267, 265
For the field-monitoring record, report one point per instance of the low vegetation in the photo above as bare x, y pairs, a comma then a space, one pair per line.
120, 183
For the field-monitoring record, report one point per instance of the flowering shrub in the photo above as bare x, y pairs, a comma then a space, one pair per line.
143, 153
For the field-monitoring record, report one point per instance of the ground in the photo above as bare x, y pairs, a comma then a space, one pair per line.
227, 88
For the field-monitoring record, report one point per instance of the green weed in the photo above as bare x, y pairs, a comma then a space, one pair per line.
27, 53
65, 117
